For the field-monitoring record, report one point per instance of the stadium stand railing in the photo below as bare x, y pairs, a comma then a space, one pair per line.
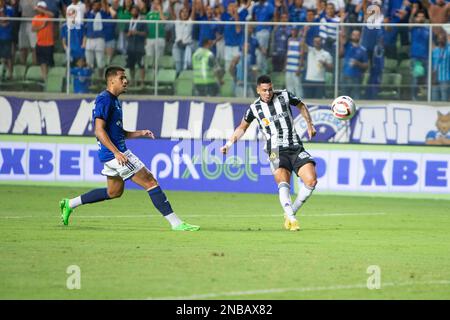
396, 75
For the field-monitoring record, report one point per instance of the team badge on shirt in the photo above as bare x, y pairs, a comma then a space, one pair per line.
265, 121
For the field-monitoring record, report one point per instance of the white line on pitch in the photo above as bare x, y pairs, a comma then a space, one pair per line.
203, 215
206, 215
304, 289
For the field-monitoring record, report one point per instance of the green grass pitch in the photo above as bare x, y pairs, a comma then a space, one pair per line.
126, 250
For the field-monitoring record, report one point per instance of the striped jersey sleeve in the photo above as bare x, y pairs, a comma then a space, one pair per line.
293, 99
249, 116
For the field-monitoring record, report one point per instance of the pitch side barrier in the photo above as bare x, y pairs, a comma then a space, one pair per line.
197, 165
384, 123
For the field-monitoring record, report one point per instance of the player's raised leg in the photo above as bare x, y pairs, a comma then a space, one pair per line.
145, 179
282, 177
114, 189
309, 177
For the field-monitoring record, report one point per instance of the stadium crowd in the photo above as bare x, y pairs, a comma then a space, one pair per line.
303, 56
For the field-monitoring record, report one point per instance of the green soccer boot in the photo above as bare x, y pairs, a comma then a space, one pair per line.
65, 211
186, 227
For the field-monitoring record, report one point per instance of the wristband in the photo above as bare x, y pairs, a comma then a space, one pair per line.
228, 144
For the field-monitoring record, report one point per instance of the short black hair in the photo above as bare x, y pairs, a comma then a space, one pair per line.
419, 12
111, 71
263, 79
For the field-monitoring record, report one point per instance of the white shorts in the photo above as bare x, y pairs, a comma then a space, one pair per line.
112, 168
27, 37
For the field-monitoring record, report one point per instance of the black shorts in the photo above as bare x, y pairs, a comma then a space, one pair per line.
5, 49
291, 159
135, 58
44, 55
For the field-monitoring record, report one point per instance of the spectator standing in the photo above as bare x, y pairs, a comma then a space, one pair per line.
155, 43
297, 13
355, 63
209, 31
281, 33
95, 37
75, 11
263, 11
232, 33
136, 33
206, 76
319, 61
81, 74
45, 37
419, 53
6, 38
311, 31
182, 47
439, 12
441, 69
396, 11
294, 62
237, 71
110, 31
27, 38
123, 13
328, 32
77, 36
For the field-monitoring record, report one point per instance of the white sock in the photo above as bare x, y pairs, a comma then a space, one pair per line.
284, 190
303, 194
173, 219
75, 202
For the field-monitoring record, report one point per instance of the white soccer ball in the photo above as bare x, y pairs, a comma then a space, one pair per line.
343, 108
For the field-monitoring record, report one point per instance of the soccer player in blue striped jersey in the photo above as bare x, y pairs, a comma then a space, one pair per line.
441, 69
120, 164
273, 112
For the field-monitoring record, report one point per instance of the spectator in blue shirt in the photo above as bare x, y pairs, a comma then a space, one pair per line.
209, 31
280, 40
441, 69
396, 11
77, 41
237, 71
110, 31
419, 53
253, 46
311, 31
328, 32
376, 72
6, 28
231, 33
297, 13
355, 63
263, 11
95, 36
81, 74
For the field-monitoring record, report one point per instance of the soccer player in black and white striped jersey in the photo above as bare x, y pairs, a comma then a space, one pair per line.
273, 112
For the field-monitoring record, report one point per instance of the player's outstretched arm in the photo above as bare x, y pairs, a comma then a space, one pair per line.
305, 113
139, 134
237, 134
103, 137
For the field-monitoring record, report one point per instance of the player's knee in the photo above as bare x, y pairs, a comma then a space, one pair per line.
152, 183
115, 193
311, 182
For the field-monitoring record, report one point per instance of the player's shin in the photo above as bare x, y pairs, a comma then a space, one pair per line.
161, 203
92, 196
303, 194
284, 190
